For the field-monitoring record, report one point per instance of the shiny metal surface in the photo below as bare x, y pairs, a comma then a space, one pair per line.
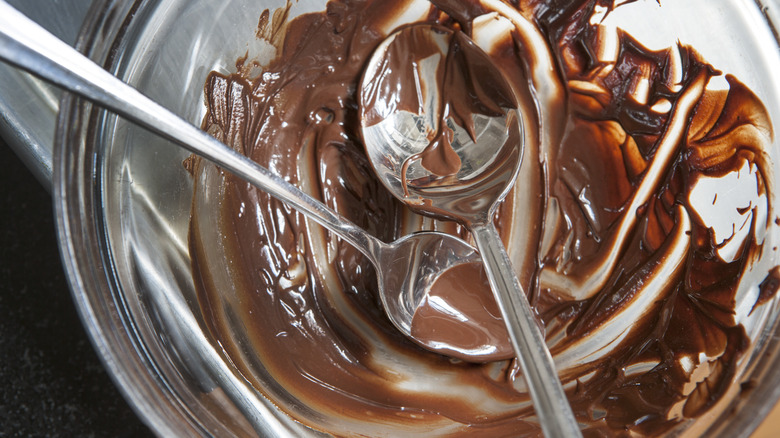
29, 106
489, 165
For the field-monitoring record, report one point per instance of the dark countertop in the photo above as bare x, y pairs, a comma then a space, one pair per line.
51, 380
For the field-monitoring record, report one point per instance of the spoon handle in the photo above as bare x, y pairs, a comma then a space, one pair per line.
26, 45
550, 402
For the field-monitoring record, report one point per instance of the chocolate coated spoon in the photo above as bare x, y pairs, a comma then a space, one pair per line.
442, 130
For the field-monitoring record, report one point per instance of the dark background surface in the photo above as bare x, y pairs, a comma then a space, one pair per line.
51, 380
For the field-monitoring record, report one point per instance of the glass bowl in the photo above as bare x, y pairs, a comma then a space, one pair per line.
123, 201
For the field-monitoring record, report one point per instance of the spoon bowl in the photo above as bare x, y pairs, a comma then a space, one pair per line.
478, 137
408, 269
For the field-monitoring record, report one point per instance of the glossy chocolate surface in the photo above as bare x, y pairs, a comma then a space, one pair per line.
634, 288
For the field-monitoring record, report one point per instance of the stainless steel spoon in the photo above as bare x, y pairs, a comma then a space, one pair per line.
407, 136
406, 268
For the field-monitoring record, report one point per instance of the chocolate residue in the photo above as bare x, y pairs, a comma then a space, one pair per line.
635, 290
768, 288
458, 320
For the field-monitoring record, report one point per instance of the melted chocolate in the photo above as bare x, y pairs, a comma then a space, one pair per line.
603, 193
458, 319
769, 287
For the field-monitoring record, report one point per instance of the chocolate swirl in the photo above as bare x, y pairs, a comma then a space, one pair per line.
634, 286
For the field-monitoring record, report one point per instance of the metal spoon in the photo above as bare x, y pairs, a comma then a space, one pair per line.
412, 125
406, 268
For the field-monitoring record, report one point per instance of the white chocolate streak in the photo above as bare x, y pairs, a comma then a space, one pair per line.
597, 272
611, 332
